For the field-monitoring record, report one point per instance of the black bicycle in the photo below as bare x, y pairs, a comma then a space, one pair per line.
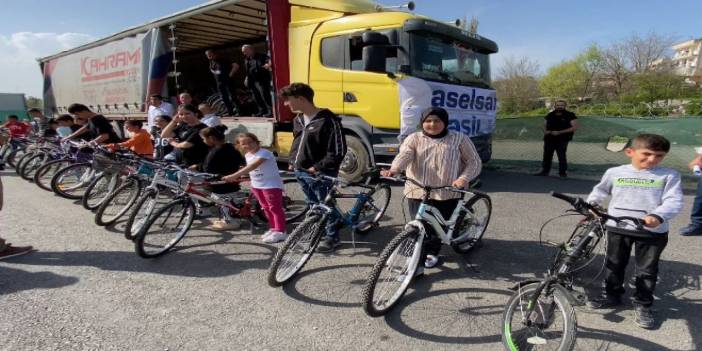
540, 315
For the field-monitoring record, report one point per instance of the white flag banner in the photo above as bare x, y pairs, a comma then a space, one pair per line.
472, 111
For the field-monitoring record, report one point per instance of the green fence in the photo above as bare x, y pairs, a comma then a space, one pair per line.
518, 143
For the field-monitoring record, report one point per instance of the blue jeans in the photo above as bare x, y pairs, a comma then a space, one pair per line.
315, 193
696, 213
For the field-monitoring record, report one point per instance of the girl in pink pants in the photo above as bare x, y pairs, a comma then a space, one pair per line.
266, 184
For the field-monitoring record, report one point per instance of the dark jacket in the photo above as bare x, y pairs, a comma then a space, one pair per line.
321, 144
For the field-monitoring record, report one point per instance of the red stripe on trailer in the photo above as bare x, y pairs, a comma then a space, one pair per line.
278, 22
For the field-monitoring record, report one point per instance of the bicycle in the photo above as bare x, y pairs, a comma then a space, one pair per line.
113, 170
70, 153
167, 226
369, 207
397, 264
541, 314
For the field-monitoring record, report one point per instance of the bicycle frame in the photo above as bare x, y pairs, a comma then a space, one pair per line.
432, 216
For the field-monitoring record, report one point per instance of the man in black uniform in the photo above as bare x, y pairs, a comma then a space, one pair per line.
96, 125
222, 72
559, 126
258, 79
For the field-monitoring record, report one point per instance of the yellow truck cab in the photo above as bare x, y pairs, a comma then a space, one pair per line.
352, 52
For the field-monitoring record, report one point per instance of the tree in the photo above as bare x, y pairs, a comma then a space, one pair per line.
652, 86
517, 86
573, 79
641, 52
35, 102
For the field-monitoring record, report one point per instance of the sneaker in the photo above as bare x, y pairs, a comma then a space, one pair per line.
12, 251
643, 317
222, 225
275, 237
691, 230
328, 244
604, 301
432, 261
266, 234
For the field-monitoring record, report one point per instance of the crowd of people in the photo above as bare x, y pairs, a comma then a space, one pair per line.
432, 155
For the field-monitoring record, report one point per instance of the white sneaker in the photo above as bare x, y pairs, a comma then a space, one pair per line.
275, 237
265, 235
431, 261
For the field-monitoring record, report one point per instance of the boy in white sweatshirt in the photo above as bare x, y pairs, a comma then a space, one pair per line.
643, 190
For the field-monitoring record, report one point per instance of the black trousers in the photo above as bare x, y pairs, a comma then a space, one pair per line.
560, 146
432, 245
225, 93
647, 253
261, 90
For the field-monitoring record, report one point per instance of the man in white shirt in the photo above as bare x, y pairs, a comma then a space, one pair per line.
415, 97
208, 117
157, 107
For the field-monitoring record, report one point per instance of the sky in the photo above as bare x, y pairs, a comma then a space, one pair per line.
546, 31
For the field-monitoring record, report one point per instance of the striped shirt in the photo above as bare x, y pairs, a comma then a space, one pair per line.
436, 162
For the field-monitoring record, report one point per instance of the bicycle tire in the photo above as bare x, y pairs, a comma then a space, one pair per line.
533, 333
473, 239
74, 192
137, 216
29, 163
156, 223
13, 156
410, 238
303, 239
384, 192
113, 208
43, 175
294, 201
95, 192
21, 161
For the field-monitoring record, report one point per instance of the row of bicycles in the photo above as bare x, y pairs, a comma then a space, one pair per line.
161, 200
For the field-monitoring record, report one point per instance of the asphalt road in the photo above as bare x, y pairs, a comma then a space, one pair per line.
86, 289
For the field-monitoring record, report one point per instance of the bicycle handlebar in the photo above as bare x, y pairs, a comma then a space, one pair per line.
581, 205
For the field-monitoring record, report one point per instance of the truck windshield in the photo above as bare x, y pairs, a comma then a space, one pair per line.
443, 59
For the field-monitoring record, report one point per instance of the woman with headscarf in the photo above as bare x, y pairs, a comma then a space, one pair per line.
436, 157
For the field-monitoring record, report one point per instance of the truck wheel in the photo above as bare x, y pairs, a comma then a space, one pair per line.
357, 160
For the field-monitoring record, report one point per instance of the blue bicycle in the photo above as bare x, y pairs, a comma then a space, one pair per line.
368, 209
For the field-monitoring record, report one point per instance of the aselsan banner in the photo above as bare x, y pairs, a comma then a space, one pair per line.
472, 111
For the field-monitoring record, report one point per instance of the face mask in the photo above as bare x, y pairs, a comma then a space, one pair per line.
64, 131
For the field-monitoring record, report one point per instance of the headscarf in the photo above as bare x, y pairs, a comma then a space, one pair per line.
443, 116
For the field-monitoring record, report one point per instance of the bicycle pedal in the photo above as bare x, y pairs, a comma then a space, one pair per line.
579, 298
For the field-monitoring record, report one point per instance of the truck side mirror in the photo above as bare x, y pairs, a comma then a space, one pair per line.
375, 46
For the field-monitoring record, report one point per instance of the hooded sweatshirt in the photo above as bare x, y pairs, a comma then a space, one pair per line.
320, 143
637, 193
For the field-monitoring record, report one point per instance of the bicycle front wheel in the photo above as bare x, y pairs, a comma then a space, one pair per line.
19, 166
45, 173
118, 203
97, 191
474, 224
165, 228
374, 208
72, 181
296, 250
551, 326
294, 202
144, 207
393, 272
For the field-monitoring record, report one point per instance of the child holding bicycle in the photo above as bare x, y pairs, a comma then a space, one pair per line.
436, 157
139, 141
266, 184
644, 190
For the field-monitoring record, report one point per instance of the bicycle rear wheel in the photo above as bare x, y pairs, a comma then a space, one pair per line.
374, 208
165, 228
294, 201
551, 326
118, 202
15, 156
474, 224
296, 250
393, 272
72, 181
45, 173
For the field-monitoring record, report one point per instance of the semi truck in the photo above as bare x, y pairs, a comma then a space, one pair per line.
352, 53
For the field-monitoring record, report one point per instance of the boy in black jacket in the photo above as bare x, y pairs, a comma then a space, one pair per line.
319, 146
